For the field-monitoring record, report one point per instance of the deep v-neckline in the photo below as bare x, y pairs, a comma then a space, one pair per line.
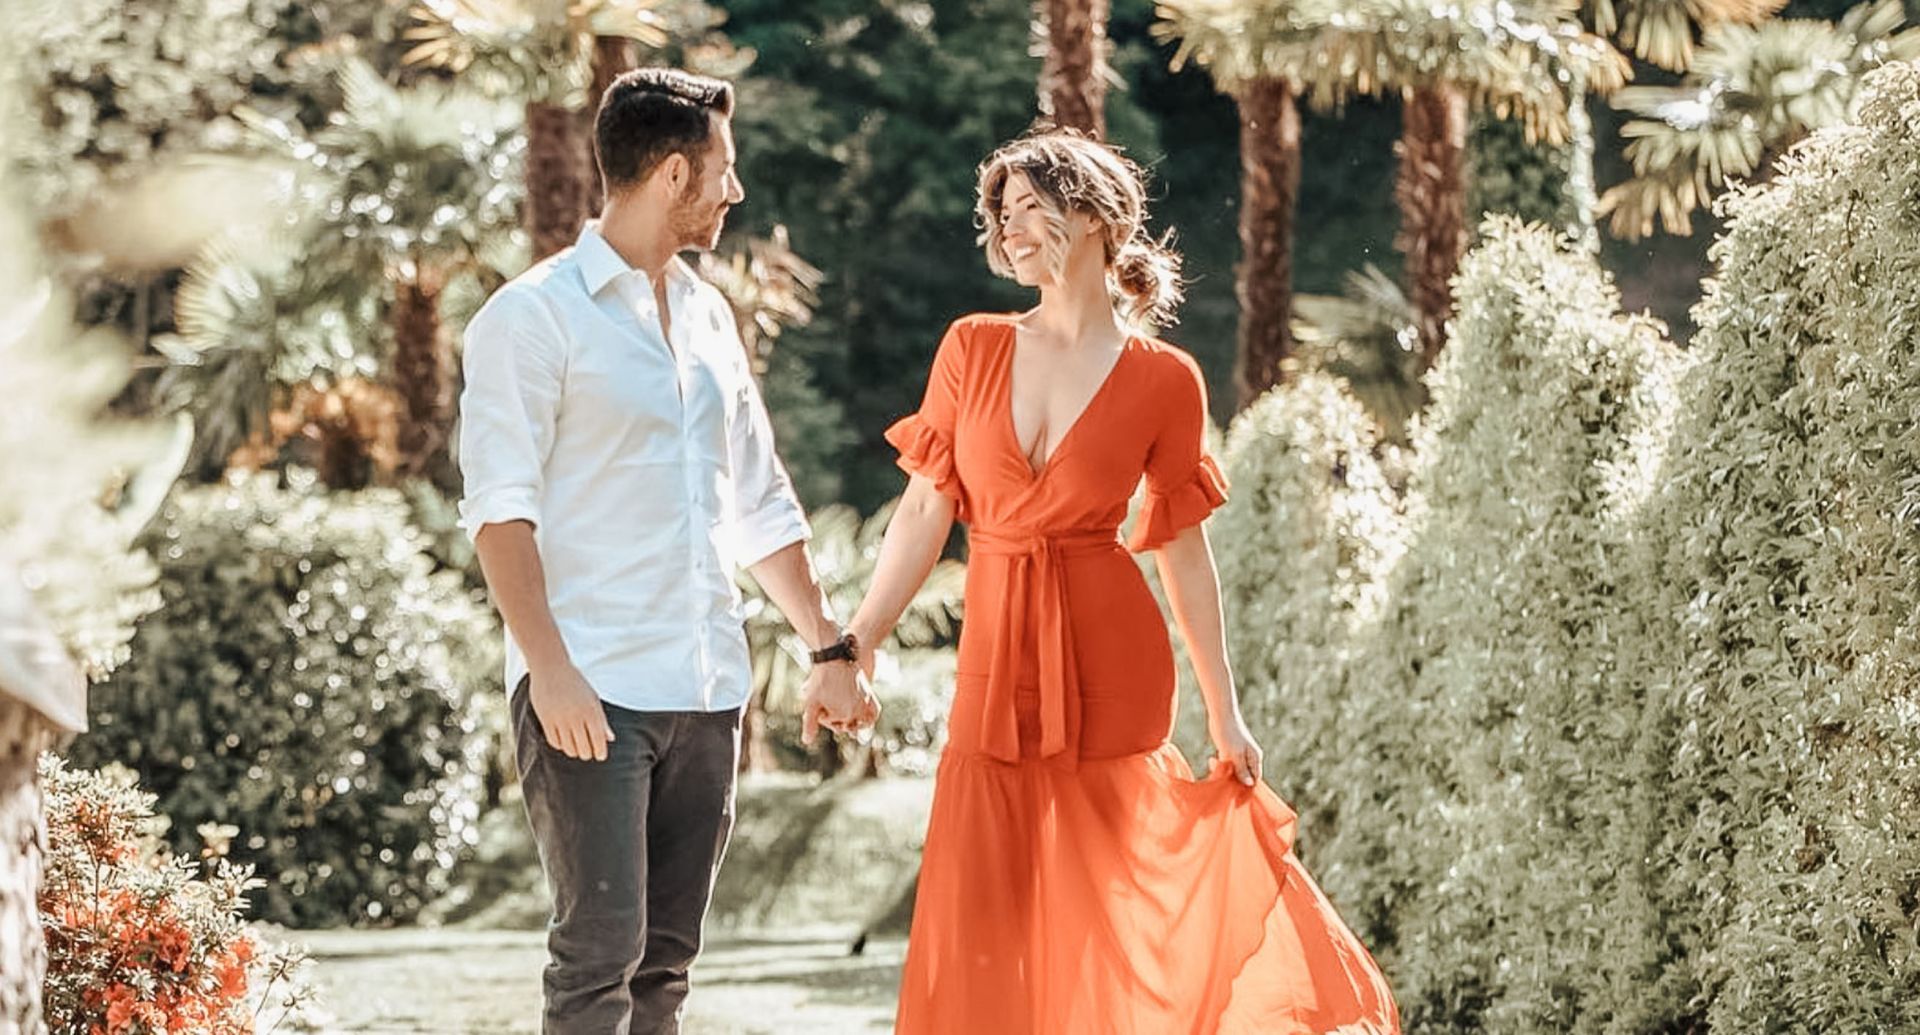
1036, 474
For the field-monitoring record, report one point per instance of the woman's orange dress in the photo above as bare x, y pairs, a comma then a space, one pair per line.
1077, 879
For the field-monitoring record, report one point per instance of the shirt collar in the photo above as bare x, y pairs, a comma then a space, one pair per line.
600, 265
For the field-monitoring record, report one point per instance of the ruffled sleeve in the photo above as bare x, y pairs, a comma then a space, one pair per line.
1184, 482
926, 452
1169, 512
925, 438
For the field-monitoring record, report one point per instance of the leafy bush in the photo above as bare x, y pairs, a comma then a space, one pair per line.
1783, 571
1430, 682
141, 941
1504, 741
308, 680
1301, 543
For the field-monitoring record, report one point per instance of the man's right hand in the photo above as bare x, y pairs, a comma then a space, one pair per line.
570, 713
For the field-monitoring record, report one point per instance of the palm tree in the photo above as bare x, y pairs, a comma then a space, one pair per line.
1073, 73
252, 323
541, 51
1442, 61
1254, 50
1752, 90
421, 188
1662, 32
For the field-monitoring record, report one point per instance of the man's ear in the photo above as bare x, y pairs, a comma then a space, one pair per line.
676, 171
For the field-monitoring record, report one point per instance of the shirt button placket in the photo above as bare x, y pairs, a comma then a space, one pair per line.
696, 525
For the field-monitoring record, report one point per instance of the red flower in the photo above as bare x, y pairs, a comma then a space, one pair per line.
233, 978
175, 945
120, 1003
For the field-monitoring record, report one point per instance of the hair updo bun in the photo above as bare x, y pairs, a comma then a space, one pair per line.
1146, 273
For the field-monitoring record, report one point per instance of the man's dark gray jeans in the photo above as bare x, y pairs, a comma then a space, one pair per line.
630, 847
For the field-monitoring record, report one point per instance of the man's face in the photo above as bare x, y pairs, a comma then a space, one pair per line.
700, 212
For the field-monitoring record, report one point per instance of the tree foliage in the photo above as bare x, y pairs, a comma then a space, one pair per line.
1753, 90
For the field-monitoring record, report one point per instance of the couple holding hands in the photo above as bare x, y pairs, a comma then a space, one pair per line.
619, 465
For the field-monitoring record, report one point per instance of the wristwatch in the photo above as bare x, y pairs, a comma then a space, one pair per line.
846, 648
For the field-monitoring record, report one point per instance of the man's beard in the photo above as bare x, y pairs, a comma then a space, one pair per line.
695, 225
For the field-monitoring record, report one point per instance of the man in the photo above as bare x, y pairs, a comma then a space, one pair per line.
618, 465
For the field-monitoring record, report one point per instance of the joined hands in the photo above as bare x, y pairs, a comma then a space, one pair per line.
839, 696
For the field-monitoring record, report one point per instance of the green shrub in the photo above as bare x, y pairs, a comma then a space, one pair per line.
307, 680
1309, 527
914, 688
1783, 554
1431, 678
1512, 176
1499, 724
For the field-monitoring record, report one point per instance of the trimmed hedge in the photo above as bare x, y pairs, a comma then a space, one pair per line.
1488, 665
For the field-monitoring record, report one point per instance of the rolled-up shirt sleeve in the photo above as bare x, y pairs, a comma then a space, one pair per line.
766, 512
514, 363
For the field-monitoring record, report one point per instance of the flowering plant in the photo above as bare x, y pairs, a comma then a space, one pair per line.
140, 942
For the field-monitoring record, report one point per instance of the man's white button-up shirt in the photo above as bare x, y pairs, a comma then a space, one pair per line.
644, 462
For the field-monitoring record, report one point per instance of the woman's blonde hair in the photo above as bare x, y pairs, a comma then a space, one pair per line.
1071, 172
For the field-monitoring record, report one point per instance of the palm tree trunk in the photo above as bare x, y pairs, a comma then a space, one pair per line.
1269, 191
422, 374
612, 55
1431, 191
23, 954
1582, 198
556, 181
1073, 79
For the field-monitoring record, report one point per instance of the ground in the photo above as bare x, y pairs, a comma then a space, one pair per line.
456, 981
811, 865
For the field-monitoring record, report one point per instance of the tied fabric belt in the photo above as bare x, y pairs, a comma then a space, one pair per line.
1037, 600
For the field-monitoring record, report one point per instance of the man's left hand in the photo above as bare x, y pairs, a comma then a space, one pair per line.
837, 698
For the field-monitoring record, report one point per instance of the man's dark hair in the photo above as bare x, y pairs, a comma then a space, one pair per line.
650, 113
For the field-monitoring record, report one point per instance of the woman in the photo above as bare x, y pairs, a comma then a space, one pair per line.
1077, 880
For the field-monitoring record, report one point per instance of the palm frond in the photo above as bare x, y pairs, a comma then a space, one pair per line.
1515, 60
769, 286
1240, 40
422, 175
1663, 31
1368, 337
1753, 90
252, 320
537, 50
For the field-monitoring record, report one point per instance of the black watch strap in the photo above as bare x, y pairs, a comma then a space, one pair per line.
846, 648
